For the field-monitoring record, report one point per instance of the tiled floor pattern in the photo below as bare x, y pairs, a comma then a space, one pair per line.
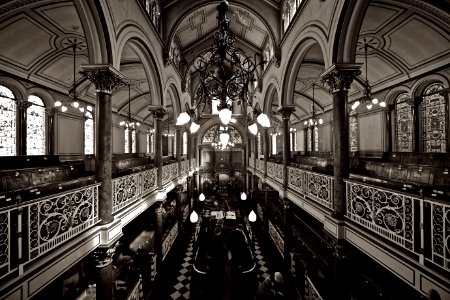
181, 284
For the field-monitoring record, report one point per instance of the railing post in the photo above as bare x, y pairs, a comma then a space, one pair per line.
286, 111
158, 113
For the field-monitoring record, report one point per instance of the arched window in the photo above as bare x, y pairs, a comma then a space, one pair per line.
88, 133
434, 118
35, 126
309, 139
127, 141
316, 138
8, 113
185, 143
133, 141
404, 132
274, 143
353, 131
152, 142
259, 144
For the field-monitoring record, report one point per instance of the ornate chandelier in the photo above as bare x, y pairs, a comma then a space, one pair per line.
226, 73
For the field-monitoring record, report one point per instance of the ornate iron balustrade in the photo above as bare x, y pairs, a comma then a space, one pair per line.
277, 238
169, 239
260, 165
296, 180
311, 293
275, 171
130, 188
54, 220
6, 228
319, 187
193, 163
388, 213
136, 293
184, 166
173, 171
166, 173
439, 218
125, 190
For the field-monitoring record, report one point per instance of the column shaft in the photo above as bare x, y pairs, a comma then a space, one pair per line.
158, 150
266, 140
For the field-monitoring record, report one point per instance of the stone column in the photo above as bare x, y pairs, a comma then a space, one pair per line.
51, 112
343, 274
286, 111
104, 273
106, 80
158, 113
339, 78
287, 224
266, 140
179, 208
22, 105
389, 138
158, 235
178, 136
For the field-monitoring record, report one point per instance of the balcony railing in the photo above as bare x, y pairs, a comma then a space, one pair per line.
311, 293
48, 222
169, 172
277, 238
275, 171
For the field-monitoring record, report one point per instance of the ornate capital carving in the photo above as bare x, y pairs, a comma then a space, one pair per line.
339, 252
103, 256
105, 77
286, 111
339, 76
158, 112
23, 104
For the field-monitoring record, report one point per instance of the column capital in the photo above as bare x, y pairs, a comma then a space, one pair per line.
158, 112
23, 104
103, 256
339, 76
286, 110
106, 78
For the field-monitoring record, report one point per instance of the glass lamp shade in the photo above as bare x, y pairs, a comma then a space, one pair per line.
225, 116
58, 103
320, 121
375, 101
252, 216
122, 123
89, 108
383, 104
75, 104
355, 105
194, 127
63, 108
183, 118
243, 196
263, 119
193, 217
253, 129
369, 106
201, 197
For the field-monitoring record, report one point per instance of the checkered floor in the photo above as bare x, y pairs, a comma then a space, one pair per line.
180, 285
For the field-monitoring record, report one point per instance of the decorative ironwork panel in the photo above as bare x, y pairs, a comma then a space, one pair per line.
440, 235
173, 170
135, 292
165, 174
404, 131
434, 120
8, 118
125, 190
148, 181
277, 238
54, 220
385, 212
184, 166
89, 134
193, 163
275, 171
270, 169
353, 131
296, 179
169, 239
5, 247
311, 293
319, 188
35, 126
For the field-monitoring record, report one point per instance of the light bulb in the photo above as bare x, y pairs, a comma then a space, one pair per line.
224, 138
252, 216
375, 101
320, 121
89, 108
194, 127
369, 106
58, 103
355, 105
233, 120
225, 116
383, 104
75, 104
122, 123
81, 109
305, 123
63, 108
183, 118
263, 119
201, 197
193, 217
253, 129
243, 196
138, 124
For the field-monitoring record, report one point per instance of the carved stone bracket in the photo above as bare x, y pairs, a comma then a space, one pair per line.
105, 77
286, 111
158, 112
103, 256
339, 76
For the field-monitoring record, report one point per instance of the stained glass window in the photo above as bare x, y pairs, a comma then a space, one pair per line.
152, 142
148, 142
133, 141
7, 122
434, 118
353, 131
309, 139
259, 144
35, 126
88, 134
185, 143
404, 131
274, 144
316, 138
126, 141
